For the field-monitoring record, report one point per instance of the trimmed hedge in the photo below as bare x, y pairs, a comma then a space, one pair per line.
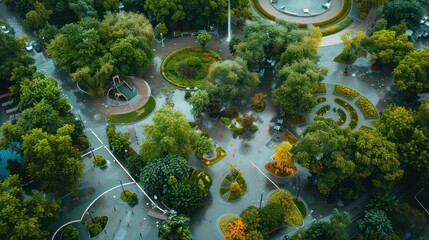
345, 9
320, 100
260, 10
323, 110
343, 116
367, 108
170, 56
345, 92
336, 28
354, 118
320, 88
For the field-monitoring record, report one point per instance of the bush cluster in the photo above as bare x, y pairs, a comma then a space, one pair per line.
345, 92
367, 108
188, 67
225, 120
320, 88
129, 197
323, 110
336, 28
99, 161
257, 6
354, 118
343, 116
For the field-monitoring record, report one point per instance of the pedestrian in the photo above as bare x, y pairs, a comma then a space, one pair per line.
99, 182
86, 180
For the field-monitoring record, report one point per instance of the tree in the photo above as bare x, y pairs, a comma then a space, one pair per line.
43, 116
184, 195
203, 146
375, 224
284, 158
175, 227
156, 173
161, 29
410, 75
232, 43
313, 37
365, 6
24, 218
387, 47
352, 47
295, 52
421, 118
38, 17
332, 229
409, 10
409, 221
169, 133
398, 125
13, 56
44, 89
199, 101
254, 235
272, 217
252, 218
236, 230
120, 142
231, 79
203, 38
325, 150
380, 24
52, 161
258, 101
376, 158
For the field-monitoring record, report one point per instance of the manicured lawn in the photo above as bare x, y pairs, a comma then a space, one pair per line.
223, 223
345, 92
168, 68
367, 108
220, 153
354, 118
135, 115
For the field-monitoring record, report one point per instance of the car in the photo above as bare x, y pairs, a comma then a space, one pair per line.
424, 19
28, 47
36, 46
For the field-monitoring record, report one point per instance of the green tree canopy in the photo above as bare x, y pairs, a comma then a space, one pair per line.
24, 218
375, 224
388, 47
409, 10
156, 174
296, 52
203, 38
176, 227
251, 216
52, 161
43, 116
365, 6
199, 101
272, 217
170, 133
411, 75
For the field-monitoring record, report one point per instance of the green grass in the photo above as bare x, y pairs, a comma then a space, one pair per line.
223, 223
227, 181
367, 108
354, 118
301, 207
135, 115
168, 71
220, 153
345, 92
343, 116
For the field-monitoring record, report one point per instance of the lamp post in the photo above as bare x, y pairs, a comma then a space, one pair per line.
162, 40
89, 213
260, 201
123, 190
229, 21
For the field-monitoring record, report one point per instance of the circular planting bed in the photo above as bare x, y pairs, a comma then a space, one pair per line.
187, 67
233, 185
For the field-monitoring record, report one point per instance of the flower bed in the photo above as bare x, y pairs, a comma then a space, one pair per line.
354, 118
129, 197
169, 65
320, 88
343, 116
227, 185
96, 225
374, 123
367, 108
323, 110
345, 92
224, 221
295, 119
288, 136
278, 172
301, 207
220, 153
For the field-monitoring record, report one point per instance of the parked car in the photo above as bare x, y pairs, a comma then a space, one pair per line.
28, 47
36, 46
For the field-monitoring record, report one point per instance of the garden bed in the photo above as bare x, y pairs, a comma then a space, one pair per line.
224, 221
368, 110
323, 110
129, 197
345, 92
220, 153
319, 89
295, 119
343, 116
96, 225
288, 136
135, 115
354, 118
272, 168
201, 59
301, 207
284, 198
226, 187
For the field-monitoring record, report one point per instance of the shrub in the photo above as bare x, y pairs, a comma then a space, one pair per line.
285, 200
295, 119
99, 161
343, 116
70, 233
83, 142
237, 130
231, 112
336, 28
225, 120
188, 95
129, 197
319, 88
253, 128
192, 124
96, 225
289, 137
258, 103
272, 217
323, 110
354, 118
345, 92
261, 11
188, 67
367, 108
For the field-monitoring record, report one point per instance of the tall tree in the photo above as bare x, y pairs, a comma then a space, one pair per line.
313, 38
352, 47
252, 218
52, 161
236, 230
43, 116
295, 52
176, 227
203, 38
410, 75
199, 101
365, 6
375, 224
409, 10
38, 17
169, 133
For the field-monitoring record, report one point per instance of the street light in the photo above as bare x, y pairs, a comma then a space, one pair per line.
162, 40
89, 213
229, 21
123, 190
